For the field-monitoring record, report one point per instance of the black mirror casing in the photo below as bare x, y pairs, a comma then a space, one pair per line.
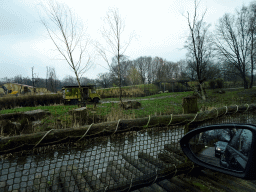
250, 170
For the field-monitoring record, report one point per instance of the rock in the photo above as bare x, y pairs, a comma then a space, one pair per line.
220, 91
160, 92
167, 91
130, 105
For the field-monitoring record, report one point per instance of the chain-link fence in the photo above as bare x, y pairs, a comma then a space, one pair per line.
121, 161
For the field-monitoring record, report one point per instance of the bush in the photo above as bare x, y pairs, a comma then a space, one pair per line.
220, 83
212, 84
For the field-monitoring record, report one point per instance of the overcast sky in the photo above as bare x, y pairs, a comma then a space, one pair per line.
159, 26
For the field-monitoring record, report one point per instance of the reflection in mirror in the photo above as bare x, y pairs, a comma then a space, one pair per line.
225, 148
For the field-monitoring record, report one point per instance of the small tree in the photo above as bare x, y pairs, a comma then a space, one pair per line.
112, 35
68, 35
198, 46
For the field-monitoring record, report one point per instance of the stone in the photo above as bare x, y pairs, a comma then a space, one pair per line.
130, 105
220, 91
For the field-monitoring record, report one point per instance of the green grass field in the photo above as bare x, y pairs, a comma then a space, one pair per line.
158, 106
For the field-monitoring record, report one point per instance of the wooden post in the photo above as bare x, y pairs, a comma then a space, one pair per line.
79, 116
189, 106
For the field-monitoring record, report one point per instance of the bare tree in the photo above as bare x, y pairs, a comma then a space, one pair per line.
182, 71
141, 65
112, 34
33, 80
198, 46
252, 31
18, 79
68, 35
69, 81
52, 79
47, 76
122, 69
148, 62
233, 41
104, 80
157, 71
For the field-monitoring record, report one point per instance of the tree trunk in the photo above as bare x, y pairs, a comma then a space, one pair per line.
202, 91
251, 84
245, 83
251, 62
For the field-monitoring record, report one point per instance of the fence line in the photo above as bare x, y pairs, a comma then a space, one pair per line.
9, 144
111, 156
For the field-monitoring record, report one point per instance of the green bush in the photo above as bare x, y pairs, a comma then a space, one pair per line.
220, 83
212, 84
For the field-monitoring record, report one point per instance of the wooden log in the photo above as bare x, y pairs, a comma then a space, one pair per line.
67, 179
108, 128
127, 174
146, 189
107, 179
184, 185
174, 148
166, 184
93, 181
177, 153
181, 158
157, 188
158, 163
168, 158
149, 165
40, 183
137, 164
116, 174
162, 174
80, 180
133, 170
55, 183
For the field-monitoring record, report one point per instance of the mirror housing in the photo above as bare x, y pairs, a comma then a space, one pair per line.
249, 172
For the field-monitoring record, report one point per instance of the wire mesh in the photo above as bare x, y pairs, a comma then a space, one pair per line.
108, 163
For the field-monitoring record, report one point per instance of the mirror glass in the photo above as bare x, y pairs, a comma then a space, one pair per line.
225, 148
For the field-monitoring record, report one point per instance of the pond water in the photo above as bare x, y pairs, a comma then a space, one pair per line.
94, 155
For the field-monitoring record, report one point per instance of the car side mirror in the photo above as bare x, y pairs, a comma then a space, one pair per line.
226, 148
